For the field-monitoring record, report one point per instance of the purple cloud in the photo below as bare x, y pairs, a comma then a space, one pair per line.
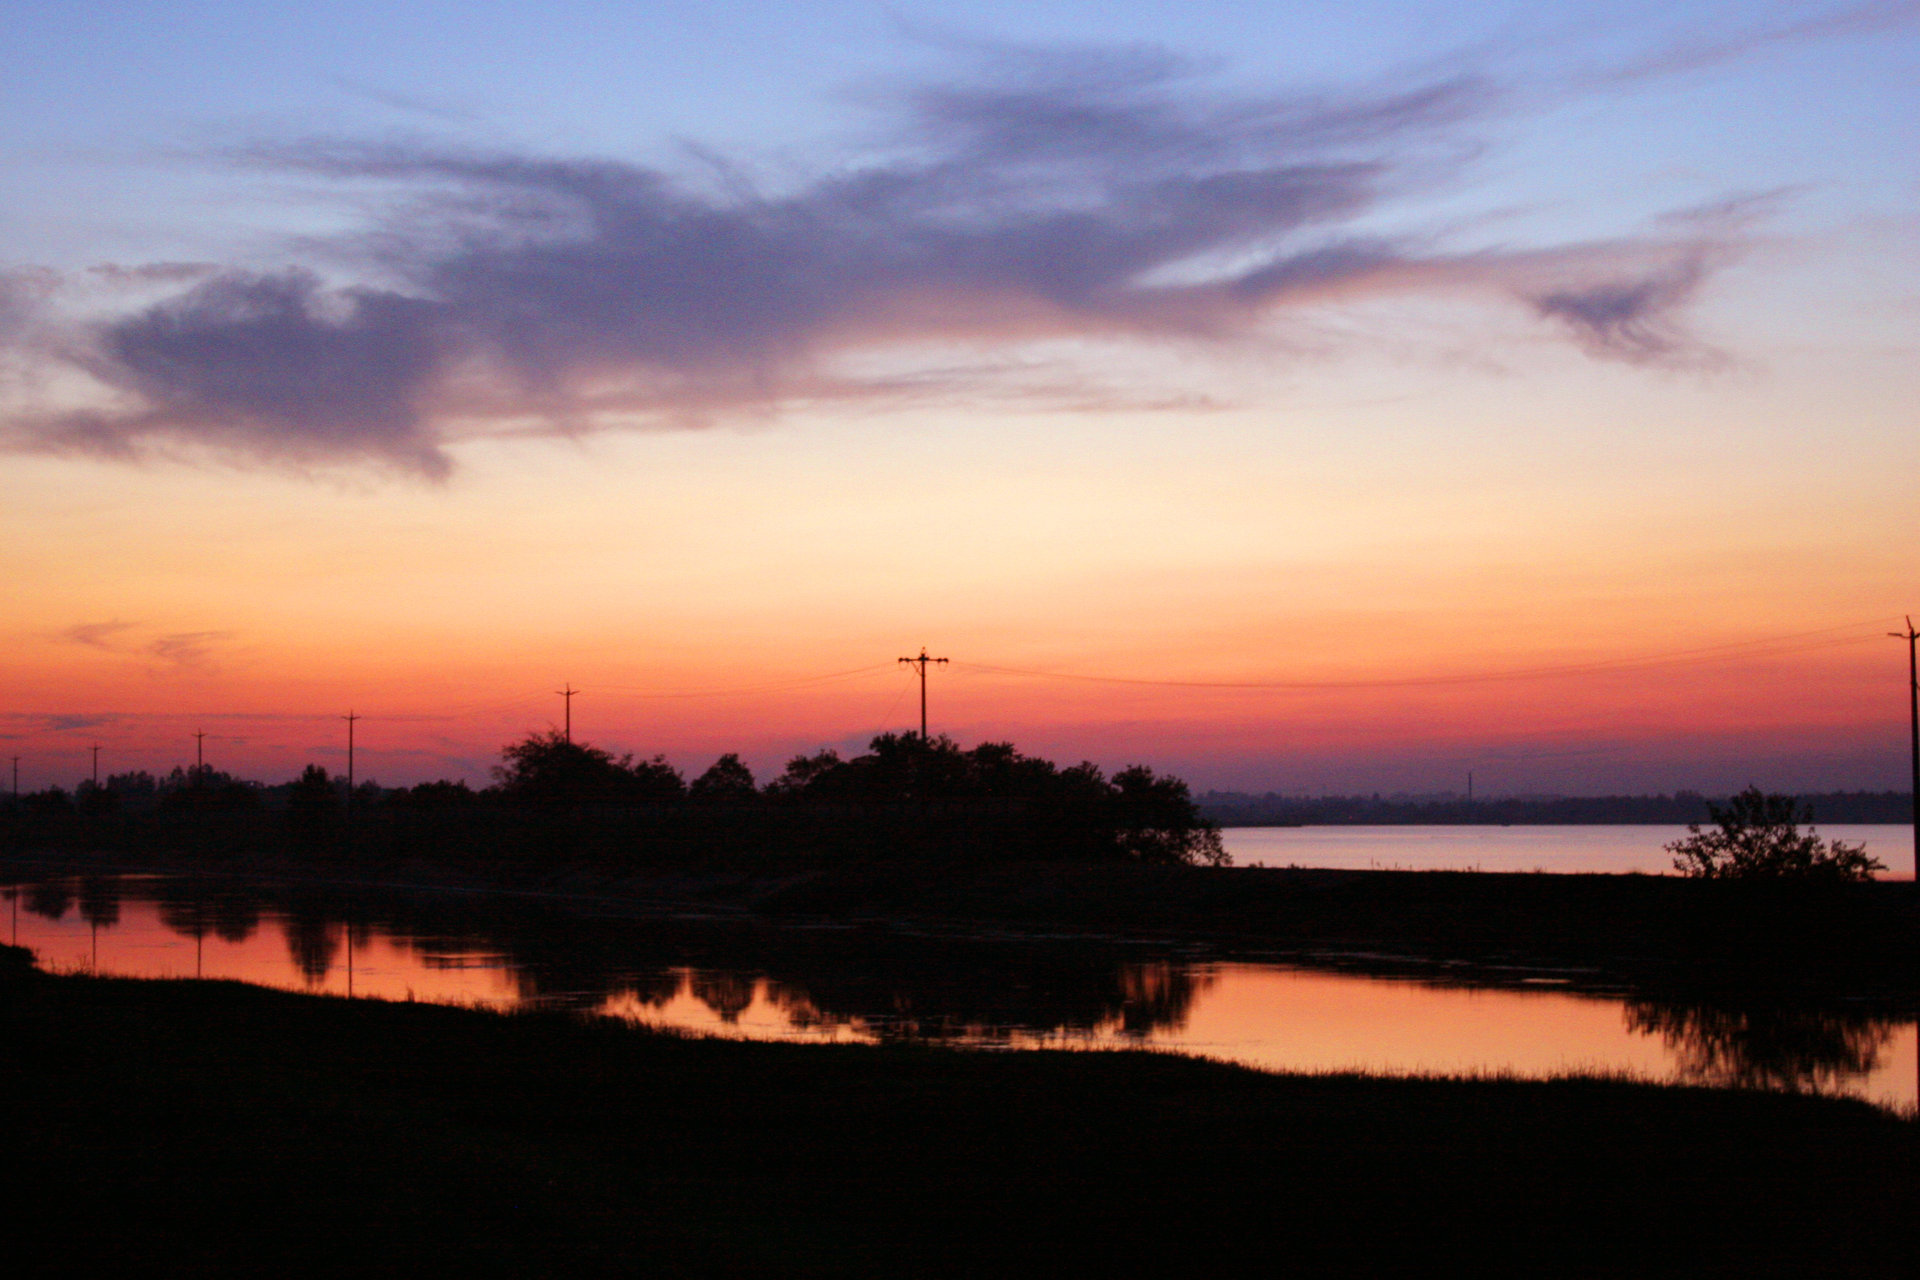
1085, 198
1631, 319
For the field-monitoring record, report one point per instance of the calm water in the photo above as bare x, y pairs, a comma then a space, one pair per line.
1610, 848
870, 983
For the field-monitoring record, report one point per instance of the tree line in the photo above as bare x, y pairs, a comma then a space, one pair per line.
903, 796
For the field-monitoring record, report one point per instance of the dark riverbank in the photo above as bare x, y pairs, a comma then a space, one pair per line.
195, 1127
1847, 941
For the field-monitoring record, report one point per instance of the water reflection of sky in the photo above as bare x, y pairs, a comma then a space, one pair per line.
1615, 849
844, 989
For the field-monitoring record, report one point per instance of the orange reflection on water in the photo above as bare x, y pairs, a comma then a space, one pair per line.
1265, 1016
140, 945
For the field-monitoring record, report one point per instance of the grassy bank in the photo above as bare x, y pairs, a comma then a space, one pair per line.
189, 1126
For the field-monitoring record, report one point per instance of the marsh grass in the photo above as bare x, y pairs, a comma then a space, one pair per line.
214, 1127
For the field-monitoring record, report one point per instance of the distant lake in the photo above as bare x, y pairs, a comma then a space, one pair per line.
1545, 848
871, 982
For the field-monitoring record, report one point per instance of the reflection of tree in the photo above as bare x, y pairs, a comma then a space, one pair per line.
652, 989
185, 911
892, 984
99, 902
1769, 1047
51, 900
727, 994
1157, 996
312, 943
952, 989
235, 916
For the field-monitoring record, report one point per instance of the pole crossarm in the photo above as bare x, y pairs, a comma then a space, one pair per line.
921, 662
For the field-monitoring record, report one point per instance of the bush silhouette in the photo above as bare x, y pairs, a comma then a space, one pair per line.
1759, 838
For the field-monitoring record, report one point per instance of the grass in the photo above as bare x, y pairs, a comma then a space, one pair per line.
213, 1127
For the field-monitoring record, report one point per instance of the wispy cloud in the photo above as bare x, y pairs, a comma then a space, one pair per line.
1087, 196
187, 650
178, 651
1722, 44
97, 635
1631, 319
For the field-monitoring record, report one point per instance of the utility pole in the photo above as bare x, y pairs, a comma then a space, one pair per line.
199, 752
921, 662
350, 718
16, 777
1913, 720
568, 693
96, 765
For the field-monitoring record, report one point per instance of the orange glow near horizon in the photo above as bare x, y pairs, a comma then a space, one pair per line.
695, 585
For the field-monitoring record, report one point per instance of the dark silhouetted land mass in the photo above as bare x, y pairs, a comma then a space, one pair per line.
1241, 809
211, 1127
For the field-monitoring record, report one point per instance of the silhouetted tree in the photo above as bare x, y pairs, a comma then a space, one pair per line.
1759, 838
95, 801
314, 797
994, 801
729, 781
546, 769
52, 802
433, 796
802, 772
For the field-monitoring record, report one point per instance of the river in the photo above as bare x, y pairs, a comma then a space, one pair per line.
874, 982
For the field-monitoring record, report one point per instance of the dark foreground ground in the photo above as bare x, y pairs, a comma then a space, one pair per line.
181, 1127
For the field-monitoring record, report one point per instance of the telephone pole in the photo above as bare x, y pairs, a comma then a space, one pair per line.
199, 751
16, 777
96, 765
921, 662
350, 718
568, 693
1913, 720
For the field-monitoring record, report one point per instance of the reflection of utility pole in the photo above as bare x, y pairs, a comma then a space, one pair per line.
1913, 714
568, 693
921, 662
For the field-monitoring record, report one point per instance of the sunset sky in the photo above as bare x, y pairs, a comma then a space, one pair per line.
1300, 397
